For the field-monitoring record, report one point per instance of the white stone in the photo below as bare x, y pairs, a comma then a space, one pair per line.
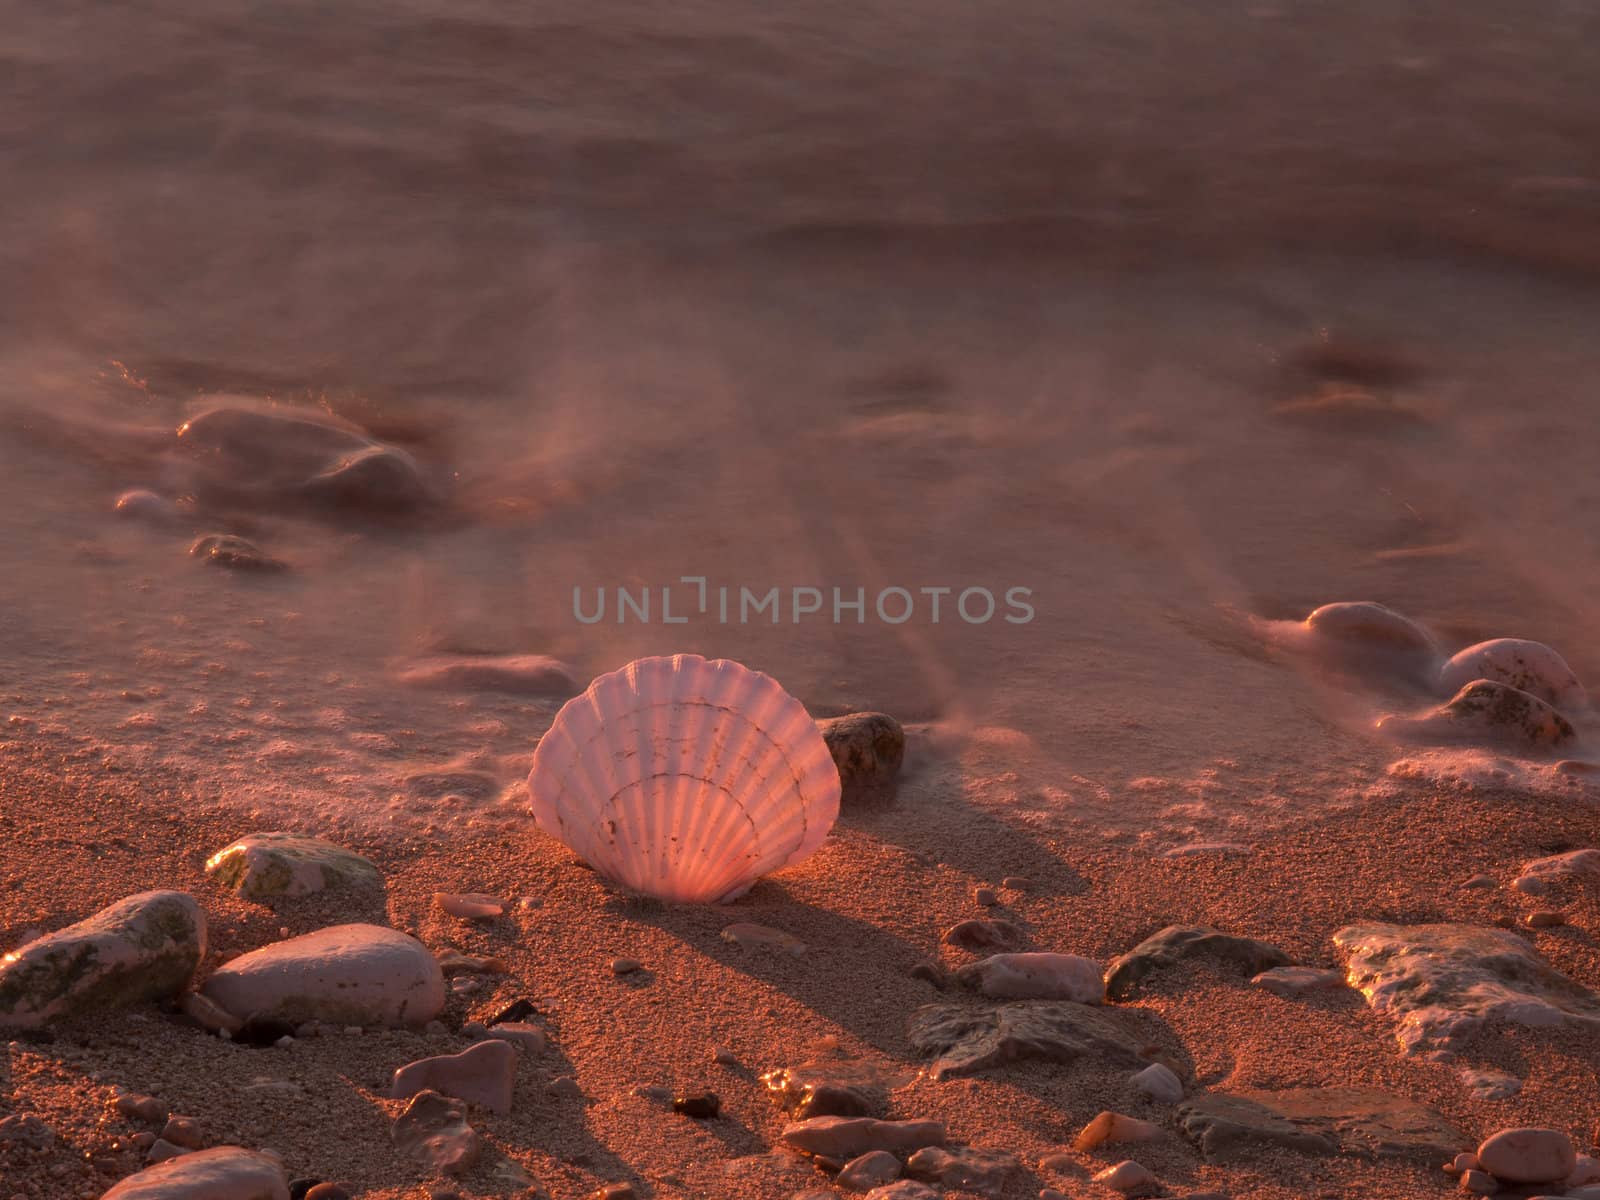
1159, 1083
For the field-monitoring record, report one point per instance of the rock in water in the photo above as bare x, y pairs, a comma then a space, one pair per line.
223, 1172
145, 947
344, 975
1373, 639
1036, 977
868, 748
236, 553
1369, 1124
964, 1040
1486, 711
1441, 982
484, 1074
1528, 1156
434, 1130
264, 865
1175, 944
1530, 667
514, 674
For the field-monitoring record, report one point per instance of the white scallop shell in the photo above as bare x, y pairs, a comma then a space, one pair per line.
685, 779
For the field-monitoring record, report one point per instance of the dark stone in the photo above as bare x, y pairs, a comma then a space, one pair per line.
702, 1106
1322, 1121
263, 1031
966, 1039
235, 553
1243, 956
985, 935
868, 748
838, 1088
517, 1010
299, 1187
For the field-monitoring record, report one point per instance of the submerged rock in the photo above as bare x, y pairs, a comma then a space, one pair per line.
868, 748
1036, 977
517, 674
1369, 1124
1530, 667
1373, 638
236, 553
144, 947
345, 974
433, 1129
964, 1040
1441, 982
1176, 944
1485, 711
484, 1074
224, 1171
264, 865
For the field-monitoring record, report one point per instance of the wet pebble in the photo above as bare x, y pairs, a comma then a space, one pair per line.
1113, 1127
235, 553
625, 966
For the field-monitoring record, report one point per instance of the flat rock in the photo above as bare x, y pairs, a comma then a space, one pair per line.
1440, 982
344, 975
1530, 667
748, 935
1294, 982
221, 1173
1528, 1156
1243, 956
963, 1039
964, 1169
830, 1088
517, 674
1490, 1085
433, 1129
868, 748
484, 1074
144, 947
1036, 976
262, 866
1489, 713
1544, 875
1323, 1121
844, 1138
989, 934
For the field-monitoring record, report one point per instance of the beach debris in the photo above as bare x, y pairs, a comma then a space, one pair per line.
1177, 944
984, 934
1544, 875
344, 974
840, 1139
1017, 883
143, 947
1160, 1083
265, 865
830, 1088
1294, 983
702, 1106
1127, 1177
963, 1039
230, 1171
243, 451
236, 553
685, 779
514, 674
1110, 1127
483, 1074
1485, 711
868, 748
867, 1171
434, 1129
1439, 983
964, 1168
1036, 976
469, 906
1528, 1156
1530, 667
1229, 1126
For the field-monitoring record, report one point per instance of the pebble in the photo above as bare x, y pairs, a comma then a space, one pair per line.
867, 748
564, 1087
1111, 1127
967, 1169
161, 1150
867, 1171
985, 896
931, 972
625, 966
1479, 1183
1528, 1155
469, 906
1295, 982
434, 1129
185, 1132
484, 1074
235, 553
1479, 882
1464, 1161
1545, 918
724, 1056
265, 865
844, 1138
1126, 1177
702, 1106
327, 1191
1159, 1083
1037, 976
615, 1191
1016, 883
142, 1108
1531, 667
1489, 712
529, 1037
903, 1189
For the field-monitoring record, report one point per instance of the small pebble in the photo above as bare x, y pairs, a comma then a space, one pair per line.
701, 1106
1479, 882
1126, 1177
615, 1191
986, 896
1545, 919
1016, 883
625, 966
725, 1056
1479, 1183
161, 1150
327, 1191
185, 1132
564, 1086
142, 1108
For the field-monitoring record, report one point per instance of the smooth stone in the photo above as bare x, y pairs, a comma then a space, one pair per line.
484, 1074
235, 553
1228, 1126
1126, 1177
984, 935
1486, 712
345, 974
1160, 1083
1545, 918
1176, 944
1294, 982
964, 1040
625, 966
829, 1088
1479, 1183
868, 748
748, 935
1374, 638
1441, 982
516, 674
964, 1169
144, 505
845, 1138
1036, 976
1111, 1127
1490, 1085
185, 1132
434, 1129
870, 1170
1528, 1155
1479, 882
453, 962
144, 947
1586, 1170
1465, 1161
985, 897
1530, 667
1543, 875
262, 865
161, 1150
469, 906
225, 1171
1016, 883
209, 1014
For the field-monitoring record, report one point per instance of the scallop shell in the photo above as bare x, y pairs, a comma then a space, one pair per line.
685, 779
